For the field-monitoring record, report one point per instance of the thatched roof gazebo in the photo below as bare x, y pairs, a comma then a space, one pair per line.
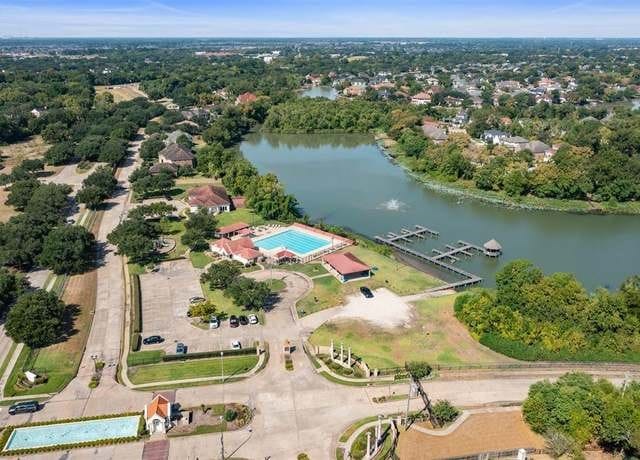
492, 248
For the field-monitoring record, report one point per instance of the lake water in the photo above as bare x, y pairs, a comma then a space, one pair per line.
345, 180
320, 91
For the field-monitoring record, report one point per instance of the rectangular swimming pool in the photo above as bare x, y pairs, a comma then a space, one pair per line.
73, 432
299, 242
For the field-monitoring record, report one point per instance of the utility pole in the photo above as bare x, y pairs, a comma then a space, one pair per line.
222, 432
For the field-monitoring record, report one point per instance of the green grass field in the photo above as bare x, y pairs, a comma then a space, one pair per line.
199, 259
196, 368
174, 229
311, 269
60, 368
387, 272
434, 335
239, 215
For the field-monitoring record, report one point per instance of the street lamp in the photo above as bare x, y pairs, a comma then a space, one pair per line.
223, 406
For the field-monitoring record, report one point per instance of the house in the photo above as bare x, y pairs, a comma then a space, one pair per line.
210, 197
285, 256
176, 154
37, 112
241, 249
494, 136
421, 99
231, 230
354, 90
433, 131
159, 167
346, 267
540, 150
246, 98
157, 415
517, 143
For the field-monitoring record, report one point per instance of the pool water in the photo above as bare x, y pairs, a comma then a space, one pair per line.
73, 432
300, 243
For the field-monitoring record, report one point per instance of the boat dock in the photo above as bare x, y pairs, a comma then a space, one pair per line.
442, 259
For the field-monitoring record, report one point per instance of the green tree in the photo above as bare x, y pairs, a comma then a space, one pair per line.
445, 412
20, 193
68, 249
200, 227
60, 154
220, 275
249, 293
150, 148
36, 319
135, 238
12, 285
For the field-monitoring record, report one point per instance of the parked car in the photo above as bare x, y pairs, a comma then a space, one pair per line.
366, 292
153, 339
181, 349
214, 322
243, 320
24, 407
193, 300
236, 345
253, 319
233, 321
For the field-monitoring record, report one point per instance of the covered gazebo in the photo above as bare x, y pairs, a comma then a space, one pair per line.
492, 248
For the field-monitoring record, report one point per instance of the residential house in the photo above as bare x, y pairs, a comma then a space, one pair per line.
434, 131
246, 98
160, 167
494, 136
241, 250
354, 90
177, 155
213, 198
541, 151
517, 143
157, 415
421, 99
346, 267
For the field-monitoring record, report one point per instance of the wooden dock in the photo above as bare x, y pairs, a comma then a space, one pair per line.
442, 259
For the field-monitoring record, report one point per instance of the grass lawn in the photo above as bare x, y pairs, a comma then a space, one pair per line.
276, 284
192, 369
60, 361
435, 336
387, 272
225, 304
199, 259
311, 269
138, 358
239, 215
174, 228
136, 269
13, 154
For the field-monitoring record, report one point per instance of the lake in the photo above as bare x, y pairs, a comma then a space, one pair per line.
320, 91
345, 180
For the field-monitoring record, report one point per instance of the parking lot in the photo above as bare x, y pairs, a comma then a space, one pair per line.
165, 303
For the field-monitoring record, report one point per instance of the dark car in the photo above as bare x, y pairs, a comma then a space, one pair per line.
153, 339
366, 292
233, 321
24, 407
181, 349
243, 320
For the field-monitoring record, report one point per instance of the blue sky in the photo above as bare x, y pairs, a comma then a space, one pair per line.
320, 18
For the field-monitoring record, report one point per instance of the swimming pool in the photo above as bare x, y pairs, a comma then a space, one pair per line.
299, 242
72, 432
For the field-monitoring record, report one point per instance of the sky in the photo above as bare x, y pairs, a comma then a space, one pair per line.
320, 18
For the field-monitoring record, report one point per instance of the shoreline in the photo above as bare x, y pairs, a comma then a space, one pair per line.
544, 204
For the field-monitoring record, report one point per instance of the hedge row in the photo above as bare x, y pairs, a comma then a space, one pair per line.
210, 354
136, 313
524, 352
8, 430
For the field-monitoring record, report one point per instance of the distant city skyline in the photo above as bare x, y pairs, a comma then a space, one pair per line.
315, 18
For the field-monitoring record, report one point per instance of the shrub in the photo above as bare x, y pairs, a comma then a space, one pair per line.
230, 415
445, 412
210, 354
136, 341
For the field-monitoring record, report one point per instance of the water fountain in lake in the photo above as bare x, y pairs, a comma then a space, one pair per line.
393, 205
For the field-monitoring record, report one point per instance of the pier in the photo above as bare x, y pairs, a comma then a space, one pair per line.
441, 259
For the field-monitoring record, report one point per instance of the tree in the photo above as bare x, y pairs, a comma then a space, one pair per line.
20, 193
135, 238
89, 147
91, 196
202, 310
249, 293
60, 154
445, 412
113, 151
200, 227
511, 280
12, 285
222, 274
150, 148
36, 319
156, 210
418, 369
68, 249
97, 187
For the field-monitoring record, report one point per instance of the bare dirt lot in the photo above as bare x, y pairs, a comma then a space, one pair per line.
5, 211
13, 154
489, 432
121, 92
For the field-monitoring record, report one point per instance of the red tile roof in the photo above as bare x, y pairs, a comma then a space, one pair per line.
232, 228
345, 263
232, 247
246, 98
158, 406
208, 196
284, 254
248, 253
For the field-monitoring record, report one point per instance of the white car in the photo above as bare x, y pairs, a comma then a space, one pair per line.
253, 319
214, 322
236, 345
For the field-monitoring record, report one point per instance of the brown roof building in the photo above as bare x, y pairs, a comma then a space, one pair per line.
176, 154
346, 266
211, 197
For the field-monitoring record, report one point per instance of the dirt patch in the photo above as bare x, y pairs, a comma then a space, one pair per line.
489, 432
122, 92
385, 310
5, 211
13, 154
